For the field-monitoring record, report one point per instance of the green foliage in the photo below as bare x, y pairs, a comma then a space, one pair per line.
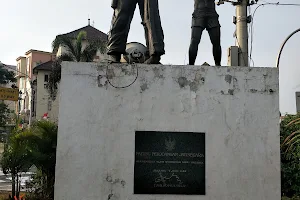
6, 76
14, 159
290, 155
74, 52
293, 198
36, 189
4, 113
33, 147
41, 143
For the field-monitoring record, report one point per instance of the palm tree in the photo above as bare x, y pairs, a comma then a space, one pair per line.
15, 160
40, 147
74, 51
291, 144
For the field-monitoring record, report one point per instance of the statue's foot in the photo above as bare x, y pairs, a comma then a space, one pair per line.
114, 58
154, 59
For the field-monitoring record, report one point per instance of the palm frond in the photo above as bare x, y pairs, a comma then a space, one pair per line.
78, 44
65, 42
91, 50
293, 122
66, 57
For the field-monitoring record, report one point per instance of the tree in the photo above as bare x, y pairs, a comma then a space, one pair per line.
41, 141
6, 76
4, 113
290, 155
32, 147
74, 52
15, 160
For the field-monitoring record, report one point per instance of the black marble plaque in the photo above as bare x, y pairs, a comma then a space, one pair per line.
169, 163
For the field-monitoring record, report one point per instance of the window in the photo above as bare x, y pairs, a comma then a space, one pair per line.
27, 66
49, 104
46, 79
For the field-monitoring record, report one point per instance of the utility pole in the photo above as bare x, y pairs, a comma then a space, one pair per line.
242, 32
241, 21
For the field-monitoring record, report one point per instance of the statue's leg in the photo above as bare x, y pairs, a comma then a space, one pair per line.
214, 31
215, 35
120, 26
195, 40
154, 31
141, 4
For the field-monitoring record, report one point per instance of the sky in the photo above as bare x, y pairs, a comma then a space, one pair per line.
33, 24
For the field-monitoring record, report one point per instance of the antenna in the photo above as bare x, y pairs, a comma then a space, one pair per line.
93, 24
241, 21
89, 20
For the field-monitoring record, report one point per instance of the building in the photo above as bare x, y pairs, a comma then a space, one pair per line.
25, 78
92, 34
44, 106
11, 104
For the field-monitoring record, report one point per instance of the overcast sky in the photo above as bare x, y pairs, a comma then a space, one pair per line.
33, 24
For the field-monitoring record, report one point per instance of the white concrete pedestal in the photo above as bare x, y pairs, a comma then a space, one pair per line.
237, 108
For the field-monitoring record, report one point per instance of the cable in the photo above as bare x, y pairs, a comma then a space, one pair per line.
137, 74
240, 49
253, 15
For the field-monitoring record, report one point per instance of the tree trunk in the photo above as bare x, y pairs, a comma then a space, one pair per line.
13, 185
17, 187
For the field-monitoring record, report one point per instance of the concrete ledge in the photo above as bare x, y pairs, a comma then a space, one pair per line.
237, 108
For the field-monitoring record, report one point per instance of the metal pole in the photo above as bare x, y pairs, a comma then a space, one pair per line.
242, 32
282, 46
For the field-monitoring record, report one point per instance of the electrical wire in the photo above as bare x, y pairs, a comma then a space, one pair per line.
123, 87
240, 49
253, 15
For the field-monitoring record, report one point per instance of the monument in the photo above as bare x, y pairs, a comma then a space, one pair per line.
205, 17
120, 25
144, 132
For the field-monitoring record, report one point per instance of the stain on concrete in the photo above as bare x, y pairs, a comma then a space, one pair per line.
253, 90
194, 86
230, 91
126, 71
228, 78
110, 73
203, 80
102, 81
144, 87
157, 73
110, 196
109, 178
123, 183
183, 82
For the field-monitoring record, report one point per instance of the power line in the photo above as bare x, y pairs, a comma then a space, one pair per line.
253, 15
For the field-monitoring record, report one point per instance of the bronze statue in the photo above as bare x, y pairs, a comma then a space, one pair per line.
206, 17
123, 14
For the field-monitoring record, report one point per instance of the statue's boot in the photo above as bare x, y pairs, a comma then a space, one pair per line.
154, 59
115, 58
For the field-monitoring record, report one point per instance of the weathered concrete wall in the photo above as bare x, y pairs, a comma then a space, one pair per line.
237, 108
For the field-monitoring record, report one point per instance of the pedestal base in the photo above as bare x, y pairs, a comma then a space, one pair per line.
236, 109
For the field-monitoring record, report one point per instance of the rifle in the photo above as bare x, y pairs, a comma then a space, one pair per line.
114, 4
